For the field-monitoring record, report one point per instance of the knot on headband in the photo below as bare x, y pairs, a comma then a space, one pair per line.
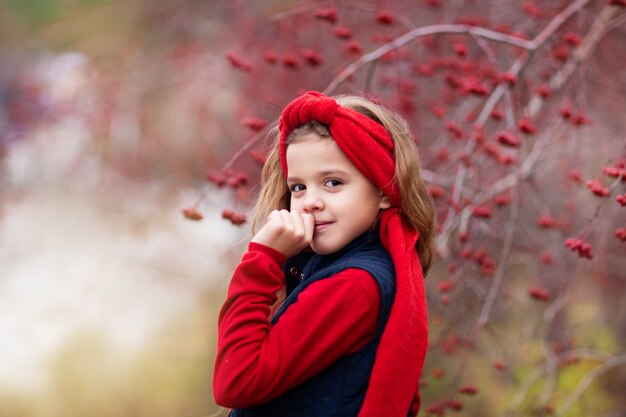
367, 144
310, 106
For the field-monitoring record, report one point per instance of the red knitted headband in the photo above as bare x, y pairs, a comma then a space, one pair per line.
367, 144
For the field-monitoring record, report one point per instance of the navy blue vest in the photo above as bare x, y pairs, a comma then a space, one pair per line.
339, 390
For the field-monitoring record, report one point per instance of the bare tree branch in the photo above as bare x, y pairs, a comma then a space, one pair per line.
502, 264
418, 33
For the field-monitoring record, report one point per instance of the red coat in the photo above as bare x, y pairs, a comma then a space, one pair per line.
256, 361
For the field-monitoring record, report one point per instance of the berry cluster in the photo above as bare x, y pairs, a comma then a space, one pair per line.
508, 139
235, 218
192, 213
577, 245
232, 178
538, 293
597, 188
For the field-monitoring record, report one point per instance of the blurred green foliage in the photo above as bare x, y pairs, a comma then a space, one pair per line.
39, 13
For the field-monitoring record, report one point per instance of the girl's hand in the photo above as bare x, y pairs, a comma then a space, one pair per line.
287, 232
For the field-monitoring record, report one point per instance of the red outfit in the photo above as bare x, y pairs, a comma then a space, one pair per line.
402, 349
254, 364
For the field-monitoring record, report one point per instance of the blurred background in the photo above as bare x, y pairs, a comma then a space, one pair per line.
123, 121
108, 295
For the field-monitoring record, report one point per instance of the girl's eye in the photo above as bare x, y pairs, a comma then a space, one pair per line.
296, 187
332, 183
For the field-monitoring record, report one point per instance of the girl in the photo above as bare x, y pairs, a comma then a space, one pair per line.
347, 229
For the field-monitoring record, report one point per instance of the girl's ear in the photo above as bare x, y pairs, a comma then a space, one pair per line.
384, 201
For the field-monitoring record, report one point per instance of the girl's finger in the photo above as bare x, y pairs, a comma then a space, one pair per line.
309, 226
298, 224
287, 221
274, 216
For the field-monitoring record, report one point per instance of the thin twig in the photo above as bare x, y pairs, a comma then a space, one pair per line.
587, 380
502, 265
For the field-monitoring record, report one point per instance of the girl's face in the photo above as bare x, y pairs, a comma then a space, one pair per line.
324, 183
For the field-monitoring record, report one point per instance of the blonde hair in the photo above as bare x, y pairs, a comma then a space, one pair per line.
417, 204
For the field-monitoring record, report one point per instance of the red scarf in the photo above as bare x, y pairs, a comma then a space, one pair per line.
393, 385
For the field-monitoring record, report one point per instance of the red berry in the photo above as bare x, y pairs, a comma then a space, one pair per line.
547, 222
500, 365
508, 78
561, 53
423, 69
572, 38
235, 218
482, 211
502, 200
237, 62
460, 48
597, 188
354, 47
538, 293
468, 390
254, 123
455, 130
615, 172
436, 191
473, 86
192, 213
531, 9
497, 114
330, 14
438, 373
445, 286
436, 409
312, 57
526, 126
544, 91
577, 245
508, 139
575, 176
455, 405
385, 17
547, 258
216, 178
290, 61
270, 57
342, 32
507, 159
439, 112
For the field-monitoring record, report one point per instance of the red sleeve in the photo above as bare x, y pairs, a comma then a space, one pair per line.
256, 361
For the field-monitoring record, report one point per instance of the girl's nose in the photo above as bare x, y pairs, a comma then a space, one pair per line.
312, 202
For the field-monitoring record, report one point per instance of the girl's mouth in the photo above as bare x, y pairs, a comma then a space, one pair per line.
320, 226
